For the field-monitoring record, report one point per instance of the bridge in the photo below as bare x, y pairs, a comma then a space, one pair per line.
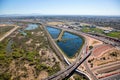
65, 73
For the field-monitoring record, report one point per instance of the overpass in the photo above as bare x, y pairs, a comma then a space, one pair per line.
65, 73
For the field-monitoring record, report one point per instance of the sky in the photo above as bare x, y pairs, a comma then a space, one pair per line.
60, 7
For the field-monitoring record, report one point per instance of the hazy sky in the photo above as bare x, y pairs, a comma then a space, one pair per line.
60, 7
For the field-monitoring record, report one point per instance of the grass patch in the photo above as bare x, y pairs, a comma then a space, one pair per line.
94, 30
114, 34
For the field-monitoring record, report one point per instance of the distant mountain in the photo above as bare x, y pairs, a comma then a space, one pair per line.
13, 15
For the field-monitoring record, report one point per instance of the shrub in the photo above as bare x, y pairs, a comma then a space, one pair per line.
90, 47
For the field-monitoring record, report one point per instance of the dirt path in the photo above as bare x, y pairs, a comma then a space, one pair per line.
8, 33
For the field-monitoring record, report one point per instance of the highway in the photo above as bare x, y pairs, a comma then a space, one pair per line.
64, 73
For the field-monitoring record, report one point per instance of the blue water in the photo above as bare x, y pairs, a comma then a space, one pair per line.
31, 26
54, 32
69, 44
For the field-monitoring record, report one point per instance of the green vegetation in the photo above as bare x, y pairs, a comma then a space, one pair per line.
31, 55
114, 54
114, 34
5, 29
93, 30
78, 77
25, 53
5, 76
90, 47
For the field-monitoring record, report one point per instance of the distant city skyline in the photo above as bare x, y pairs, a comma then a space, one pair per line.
60, 7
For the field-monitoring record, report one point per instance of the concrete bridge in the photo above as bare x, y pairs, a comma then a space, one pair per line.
65, 73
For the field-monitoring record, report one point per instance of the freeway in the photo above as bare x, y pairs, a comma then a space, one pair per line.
64, 73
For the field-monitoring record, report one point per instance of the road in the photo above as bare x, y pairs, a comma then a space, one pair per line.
89, 71
8, 33
64, 73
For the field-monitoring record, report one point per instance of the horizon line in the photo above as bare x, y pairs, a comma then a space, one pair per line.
38, 14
